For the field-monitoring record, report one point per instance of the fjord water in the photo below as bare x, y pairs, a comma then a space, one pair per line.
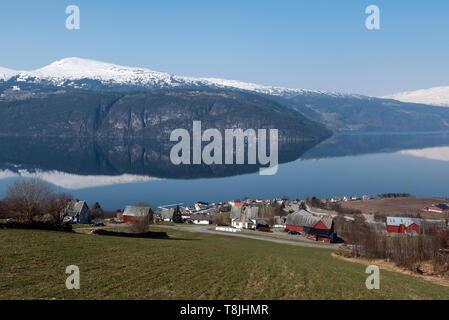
119, 173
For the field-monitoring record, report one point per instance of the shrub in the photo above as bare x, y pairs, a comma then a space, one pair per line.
40, 225
264, 229
139, 225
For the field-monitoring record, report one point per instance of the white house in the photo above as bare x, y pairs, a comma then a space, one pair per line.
335, 199
244, 224
200, 219
77, 212
245, 217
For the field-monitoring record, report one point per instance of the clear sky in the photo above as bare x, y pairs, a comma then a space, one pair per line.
313, 44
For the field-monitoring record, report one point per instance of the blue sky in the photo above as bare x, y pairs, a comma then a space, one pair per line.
312, 44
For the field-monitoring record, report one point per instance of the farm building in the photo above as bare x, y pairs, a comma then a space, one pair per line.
315, 227
403, 225
77, 212
414, 225
134, 213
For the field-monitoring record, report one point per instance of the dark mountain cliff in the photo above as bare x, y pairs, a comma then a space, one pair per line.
150, 114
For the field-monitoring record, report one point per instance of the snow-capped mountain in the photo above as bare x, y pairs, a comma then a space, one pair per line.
336, 111
75, 72
74, 69
6, 74
437, 96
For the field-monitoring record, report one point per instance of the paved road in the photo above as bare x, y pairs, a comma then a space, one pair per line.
205, 229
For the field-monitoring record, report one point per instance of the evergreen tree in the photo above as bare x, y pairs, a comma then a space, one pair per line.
177, 216
95, 212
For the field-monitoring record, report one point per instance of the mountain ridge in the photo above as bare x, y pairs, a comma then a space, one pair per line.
336, 111
71, 71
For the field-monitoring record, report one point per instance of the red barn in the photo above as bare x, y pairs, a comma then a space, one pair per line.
133, 213
414, 225
315, 227
403, 225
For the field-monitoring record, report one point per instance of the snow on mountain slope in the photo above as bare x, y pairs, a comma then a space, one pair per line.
270, 90
6, 74
65, 71
437, 96
71, 69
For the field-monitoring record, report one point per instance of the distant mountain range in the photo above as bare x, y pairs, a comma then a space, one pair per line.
64, 85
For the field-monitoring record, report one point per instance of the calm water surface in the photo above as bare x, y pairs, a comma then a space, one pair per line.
345, 164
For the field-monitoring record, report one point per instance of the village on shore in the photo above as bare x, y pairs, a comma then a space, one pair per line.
311, 217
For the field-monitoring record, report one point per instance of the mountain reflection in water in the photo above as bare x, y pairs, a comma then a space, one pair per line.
118, 173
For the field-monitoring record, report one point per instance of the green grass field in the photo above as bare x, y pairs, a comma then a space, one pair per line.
187, 266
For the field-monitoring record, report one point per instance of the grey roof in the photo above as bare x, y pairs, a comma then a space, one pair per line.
397, 221
251, 212
327, 220
307, 219
136, 211
200, 217
236, 211
75, 207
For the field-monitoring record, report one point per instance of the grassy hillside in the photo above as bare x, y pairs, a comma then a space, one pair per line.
187, 266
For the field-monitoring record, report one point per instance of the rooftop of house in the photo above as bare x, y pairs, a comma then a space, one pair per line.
442, 206
200, 217
136, 211
75, 207
397, 221
307, 219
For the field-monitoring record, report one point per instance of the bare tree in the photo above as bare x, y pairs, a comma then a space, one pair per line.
95, 212
221, 218
139, 225
59, 208
28, 200
3, 210
150, 213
